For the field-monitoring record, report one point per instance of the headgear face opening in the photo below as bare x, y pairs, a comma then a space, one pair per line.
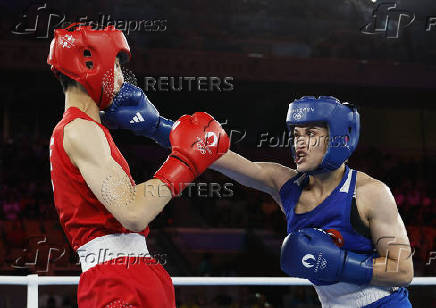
343, 123
88, 56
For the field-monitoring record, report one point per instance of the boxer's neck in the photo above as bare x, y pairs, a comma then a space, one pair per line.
325, 183
76, 97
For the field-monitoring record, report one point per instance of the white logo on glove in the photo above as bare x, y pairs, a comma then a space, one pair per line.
306, 258
137, 118
323, 264
210, 140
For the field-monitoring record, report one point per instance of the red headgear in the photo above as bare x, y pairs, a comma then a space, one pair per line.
88, 56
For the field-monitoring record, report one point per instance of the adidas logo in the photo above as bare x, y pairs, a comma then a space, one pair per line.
137, 118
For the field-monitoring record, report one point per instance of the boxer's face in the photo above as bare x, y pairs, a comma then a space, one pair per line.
310, 142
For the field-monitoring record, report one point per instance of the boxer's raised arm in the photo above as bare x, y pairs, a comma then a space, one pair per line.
264, 176
134, 206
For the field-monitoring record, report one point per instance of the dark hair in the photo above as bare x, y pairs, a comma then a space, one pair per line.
67, 82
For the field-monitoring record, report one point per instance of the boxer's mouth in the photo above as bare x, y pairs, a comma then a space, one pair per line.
300, 157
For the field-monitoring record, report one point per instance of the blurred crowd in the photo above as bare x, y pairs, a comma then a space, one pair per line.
26, 195
27, 215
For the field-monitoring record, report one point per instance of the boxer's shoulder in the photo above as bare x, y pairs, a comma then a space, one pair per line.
80, 131
370, 194
78, 126
281, 174
367, 186
82, 138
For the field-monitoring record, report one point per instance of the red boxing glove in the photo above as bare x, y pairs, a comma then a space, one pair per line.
197, 141
336, 236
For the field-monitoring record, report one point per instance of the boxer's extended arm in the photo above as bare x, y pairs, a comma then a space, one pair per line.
134, 206
264, 176
394, 267
131, 102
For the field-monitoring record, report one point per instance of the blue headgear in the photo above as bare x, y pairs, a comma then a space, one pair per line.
343, 122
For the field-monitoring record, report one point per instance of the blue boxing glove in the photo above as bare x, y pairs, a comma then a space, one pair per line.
312, 254
132, 110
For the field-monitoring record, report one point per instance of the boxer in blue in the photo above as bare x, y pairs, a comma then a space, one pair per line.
344, 231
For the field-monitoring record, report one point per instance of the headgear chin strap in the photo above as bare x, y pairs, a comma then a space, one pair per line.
343, 122
88, 56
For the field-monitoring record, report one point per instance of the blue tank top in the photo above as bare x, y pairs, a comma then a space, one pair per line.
333, 213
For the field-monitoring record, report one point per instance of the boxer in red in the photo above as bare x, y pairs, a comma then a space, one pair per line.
104, 214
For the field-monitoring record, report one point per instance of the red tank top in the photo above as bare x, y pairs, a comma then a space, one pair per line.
82, 216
